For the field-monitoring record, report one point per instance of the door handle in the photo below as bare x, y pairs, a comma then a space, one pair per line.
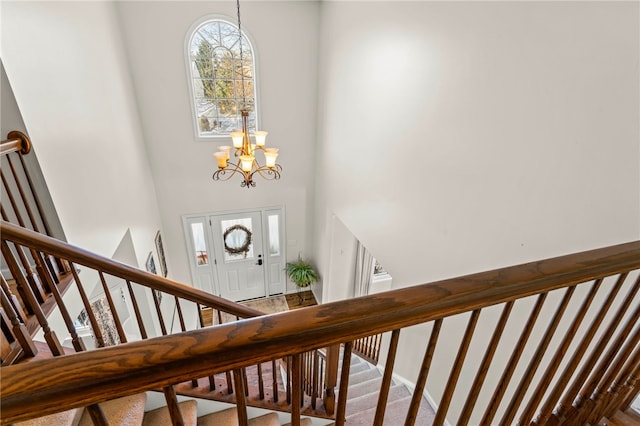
259, 260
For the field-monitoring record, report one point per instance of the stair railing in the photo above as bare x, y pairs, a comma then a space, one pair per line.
107, 271
37, 282
18, 242
25, 206
368, 348
597, 357
40, 293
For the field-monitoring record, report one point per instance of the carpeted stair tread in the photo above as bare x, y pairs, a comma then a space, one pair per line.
363, 376
270, 419
160, 416
395, 414
363, 388
220, 418
303, 422
125, 411
357, 368
66, 418
355, 360
368, 401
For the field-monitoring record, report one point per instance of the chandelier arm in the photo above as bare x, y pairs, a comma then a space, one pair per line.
269, 173
260, 168
231, 170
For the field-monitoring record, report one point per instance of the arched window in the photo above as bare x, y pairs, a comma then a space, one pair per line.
222, 83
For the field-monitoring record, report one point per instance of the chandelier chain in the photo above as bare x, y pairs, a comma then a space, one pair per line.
244, 100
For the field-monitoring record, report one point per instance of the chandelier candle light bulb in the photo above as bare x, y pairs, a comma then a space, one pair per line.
261, 137
247, 162
221, 158
237, 138
226, 149
270, 158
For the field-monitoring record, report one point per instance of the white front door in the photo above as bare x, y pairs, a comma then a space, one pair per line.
239, 259
239, 255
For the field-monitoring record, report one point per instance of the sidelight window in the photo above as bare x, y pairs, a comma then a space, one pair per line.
199, 244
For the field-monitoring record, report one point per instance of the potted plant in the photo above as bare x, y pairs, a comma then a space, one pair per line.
302, 274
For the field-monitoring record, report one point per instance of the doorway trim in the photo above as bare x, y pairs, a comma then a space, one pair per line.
205, 276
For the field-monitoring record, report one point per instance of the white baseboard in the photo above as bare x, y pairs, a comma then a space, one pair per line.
412, 386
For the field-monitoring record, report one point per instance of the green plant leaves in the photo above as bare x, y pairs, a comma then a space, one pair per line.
301, 272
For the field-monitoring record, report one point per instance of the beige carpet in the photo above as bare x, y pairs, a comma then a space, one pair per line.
268, 305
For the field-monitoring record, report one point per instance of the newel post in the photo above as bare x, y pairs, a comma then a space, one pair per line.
331, 378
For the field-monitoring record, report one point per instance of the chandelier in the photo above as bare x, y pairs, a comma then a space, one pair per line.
246, 164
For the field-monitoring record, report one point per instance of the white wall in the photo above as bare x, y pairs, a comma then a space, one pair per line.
11, 119
486, 134
66, 65
340, 274
458, 137
285, 36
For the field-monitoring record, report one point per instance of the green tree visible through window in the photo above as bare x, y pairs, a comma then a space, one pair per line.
217, 76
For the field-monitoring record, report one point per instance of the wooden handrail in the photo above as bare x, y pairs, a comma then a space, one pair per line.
90, 377
17, 141
83, 257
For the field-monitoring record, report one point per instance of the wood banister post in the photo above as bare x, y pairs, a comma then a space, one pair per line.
632, 388
97, 415
274, 379
172, 406
296, 388
315, 368
19, 331
341, 408
386, 378
35, 284
136, 309
49, 335
331, 378
15, 302
241, 399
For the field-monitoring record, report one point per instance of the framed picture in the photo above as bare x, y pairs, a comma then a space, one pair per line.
151, 264
161, 260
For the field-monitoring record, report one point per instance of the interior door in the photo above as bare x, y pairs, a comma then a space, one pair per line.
239, 259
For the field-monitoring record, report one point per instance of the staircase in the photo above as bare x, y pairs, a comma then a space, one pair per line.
606, 382
130, 411
365, 381
362, 398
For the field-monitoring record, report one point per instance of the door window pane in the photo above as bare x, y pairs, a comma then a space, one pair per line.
274, 235
199, 245
237, 239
